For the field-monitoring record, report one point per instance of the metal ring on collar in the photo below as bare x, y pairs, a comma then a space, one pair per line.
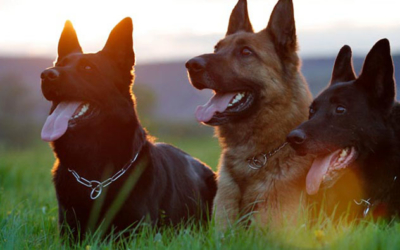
256, 164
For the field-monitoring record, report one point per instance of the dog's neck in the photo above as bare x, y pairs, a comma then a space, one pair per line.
100, 149
265, 131
381, 171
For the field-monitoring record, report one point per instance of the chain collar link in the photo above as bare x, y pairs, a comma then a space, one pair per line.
368, 204
259, 161
97, 186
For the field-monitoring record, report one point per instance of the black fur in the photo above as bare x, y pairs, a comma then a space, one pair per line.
171, 186
370, 123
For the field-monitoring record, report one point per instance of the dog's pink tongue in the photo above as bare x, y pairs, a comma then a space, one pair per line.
217, 103
318, 169
57, 123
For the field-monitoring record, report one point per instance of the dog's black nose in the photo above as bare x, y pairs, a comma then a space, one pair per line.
297, 136
196, 64
49, 74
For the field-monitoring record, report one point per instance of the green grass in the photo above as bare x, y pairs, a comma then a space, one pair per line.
28, 215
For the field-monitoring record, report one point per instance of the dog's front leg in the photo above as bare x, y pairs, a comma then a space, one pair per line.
226, 202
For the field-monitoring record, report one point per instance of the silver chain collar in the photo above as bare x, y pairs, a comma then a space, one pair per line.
365, 203
97, 186
261, 160
368, 204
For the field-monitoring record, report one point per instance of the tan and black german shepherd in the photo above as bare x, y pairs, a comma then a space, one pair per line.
260, 96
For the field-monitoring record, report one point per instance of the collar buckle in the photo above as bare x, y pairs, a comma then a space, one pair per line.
259, 161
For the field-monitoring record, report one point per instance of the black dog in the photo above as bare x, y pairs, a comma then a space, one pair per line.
353, 131
107, 172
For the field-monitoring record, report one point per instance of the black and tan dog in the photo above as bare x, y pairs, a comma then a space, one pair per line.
103, 153
353, 130
260, 96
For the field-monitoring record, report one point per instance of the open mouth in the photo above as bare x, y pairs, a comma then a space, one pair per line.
327, 169
65, 115
223, 106
81, 111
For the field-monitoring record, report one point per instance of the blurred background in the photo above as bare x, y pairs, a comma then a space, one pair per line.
166, 34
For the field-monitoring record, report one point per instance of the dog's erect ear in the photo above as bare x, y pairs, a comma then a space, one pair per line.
343, 70
239, 20
119, 45
282, 28
377, 74
68, 42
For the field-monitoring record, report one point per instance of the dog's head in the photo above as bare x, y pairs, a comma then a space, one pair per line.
246, 66
87, 89
348, 120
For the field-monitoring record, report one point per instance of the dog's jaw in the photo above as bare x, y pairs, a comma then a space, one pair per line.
226, 108
63, 116
327, 169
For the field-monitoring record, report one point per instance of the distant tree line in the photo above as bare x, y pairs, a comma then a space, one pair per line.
22, 114
18, 127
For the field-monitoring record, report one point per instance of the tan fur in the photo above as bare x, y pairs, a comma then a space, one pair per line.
264, 66
273, 192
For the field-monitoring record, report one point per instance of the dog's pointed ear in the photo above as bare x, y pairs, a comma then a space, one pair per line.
282, 28
68, 42
343, 70
239, 20
377, 75
119, 45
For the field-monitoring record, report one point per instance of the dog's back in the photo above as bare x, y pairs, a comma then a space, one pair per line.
193, 181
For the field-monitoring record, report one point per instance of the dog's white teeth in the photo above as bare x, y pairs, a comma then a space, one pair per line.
344, 153
83, 110
237, 98
326, 177
342, 156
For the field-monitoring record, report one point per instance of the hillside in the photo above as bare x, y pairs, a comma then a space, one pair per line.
174, 98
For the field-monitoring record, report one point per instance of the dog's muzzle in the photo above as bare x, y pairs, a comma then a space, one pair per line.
297, 139
49, 78
50, 74
196, 64
196, 68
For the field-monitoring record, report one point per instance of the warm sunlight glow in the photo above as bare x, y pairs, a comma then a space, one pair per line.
178, 29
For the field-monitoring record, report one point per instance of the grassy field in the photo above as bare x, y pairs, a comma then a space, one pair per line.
28, 215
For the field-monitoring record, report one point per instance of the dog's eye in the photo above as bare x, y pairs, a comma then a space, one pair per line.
246, 51
85, 66
311, 112
340, 109
215, 49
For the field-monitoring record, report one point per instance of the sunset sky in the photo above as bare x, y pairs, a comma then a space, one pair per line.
179, 29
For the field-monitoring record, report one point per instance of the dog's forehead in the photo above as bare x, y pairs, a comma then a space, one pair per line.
242, 38
259, 42
78, 57
339, 92
74, 56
